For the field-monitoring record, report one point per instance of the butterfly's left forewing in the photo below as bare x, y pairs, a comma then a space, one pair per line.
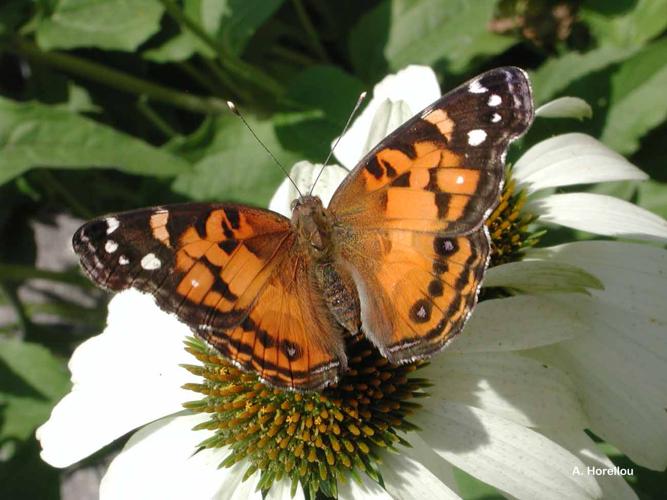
414, 211
222, 269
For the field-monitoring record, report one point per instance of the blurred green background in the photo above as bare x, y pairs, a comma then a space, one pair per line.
108, 105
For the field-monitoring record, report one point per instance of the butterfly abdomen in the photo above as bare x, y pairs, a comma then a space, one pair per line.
339, 294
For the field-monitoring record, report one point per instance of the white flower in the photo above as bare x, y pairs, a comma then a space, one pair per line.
511, 398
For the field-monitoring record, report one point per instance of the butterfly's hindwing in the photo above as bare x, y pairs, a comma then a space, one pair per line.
426, 286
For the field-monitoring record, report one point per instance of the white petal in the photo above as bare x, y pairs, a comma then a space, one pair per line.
541, 276
424, 454
514, 459
600, 214
515, 323
159, 462
565, 107
570, 159
282, 490
405, 478
124, 378
619, 366
304, 174
622, 360
634, 275
368, 489
508, 385
614, 487
388, 117
416, 85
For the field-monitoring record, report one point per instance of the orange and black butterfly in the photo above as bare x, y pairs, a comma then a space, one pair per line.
398, 255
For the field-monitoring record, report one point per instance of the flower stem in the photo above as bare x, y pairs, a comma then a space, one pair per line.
119, 80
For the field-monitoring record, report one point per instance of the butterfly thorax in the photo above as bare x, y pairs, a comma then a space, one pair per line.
314, 226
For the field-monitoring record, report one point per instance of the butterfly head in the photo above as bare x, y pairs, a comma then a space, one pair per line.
313, 224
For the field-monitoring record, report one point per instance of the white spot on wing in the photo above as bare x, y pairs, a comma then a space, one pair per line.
195, 283
421, 313
123, 261
477, 88
476, 137
495, 100
111, 246
150, 262
459, 179
112, 224
496, 118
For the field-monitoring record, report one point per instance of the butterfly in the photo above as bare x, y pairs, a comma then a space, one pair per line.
398, 255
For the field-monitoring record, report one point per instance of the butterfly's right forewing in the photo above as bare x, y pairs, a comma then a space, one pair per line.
414, 211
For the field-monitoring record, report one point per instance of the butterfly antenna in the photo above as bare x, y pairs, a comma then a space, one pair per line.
232, 107
361, 98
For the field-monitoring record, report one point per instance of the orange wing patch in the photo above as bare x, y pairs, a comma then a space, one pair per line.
288, 337
441, 119
419, 294
158, 224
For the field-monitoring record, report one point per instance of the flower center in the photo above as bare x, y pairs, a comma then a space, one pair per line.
314, 438
510, 227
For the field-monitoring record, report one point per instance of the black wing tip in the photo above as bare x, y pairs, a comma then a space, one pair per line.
88, 242
520, 87
93, 230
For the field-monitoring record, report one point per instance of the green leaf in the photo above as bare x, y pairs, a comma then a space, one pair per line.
230, 22
12, 12
240, 19
539, 276
185, 44
78, 100
652, 196
105, 24
637, 102
317, 116
557, 73
472, 488
179, 48
234, 166
642, 21
452, 31
37, 135
32, 381
367, 41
